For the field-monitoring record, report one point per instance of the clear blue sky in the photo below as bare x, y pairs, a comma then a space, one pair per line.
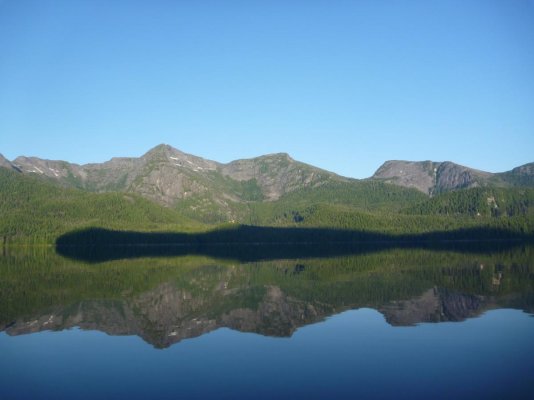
344, 85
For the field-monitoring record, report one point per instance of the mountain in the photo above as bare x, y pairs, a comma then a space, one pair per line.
182, 190
169, 176
433, 178
215, 192
165, 174
520, 176
5, 163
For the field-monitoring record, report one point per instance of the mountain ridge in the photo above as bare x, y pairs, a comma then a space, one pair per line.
166, 175
385, 172
243, 189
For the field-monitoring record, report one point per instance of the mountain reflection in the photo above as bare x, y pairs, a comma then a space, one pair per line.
165, 300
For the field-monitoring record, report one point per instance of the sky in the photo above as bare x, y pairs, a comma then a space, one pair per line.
343, 85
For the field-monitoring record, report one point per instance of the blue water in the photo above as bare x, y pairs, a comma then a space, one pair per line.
355, 354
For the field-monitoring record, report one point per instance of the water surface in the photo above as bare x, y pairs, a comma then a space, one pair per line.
414, 323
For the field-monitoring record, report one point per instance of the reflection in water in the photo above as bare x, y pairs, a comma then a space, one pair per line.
165, 300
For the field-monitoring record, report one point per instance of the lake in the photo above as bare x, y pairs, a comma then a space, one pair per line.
380, 323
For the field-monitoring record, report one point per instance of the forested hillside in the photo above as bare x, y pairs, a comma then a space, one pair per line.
360, 195
494, 202
33, 210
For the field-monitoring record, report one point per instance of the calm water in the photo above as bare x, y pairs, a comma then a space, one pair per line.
384, 324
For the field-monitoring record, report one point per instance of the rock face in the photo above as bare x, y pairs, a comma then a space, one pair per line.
450, 176
437, 177
419, 175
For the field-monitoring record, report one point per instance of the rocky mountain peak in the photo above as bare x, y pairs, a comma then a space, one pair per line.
5, 163
519, 176
161, 150
434, 177
277, 156
167, 154
276, 174
55, 169
527, 169
420, 175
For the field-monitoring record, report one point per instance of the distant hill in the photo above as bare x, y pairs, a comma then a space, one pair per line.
438, 177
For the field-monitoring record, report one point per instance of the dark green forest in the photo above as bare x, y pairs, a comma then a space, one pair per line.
477, 202
35, 211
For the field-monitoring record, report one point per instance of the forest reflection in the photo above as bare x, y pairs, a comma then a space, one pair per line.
168, 299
